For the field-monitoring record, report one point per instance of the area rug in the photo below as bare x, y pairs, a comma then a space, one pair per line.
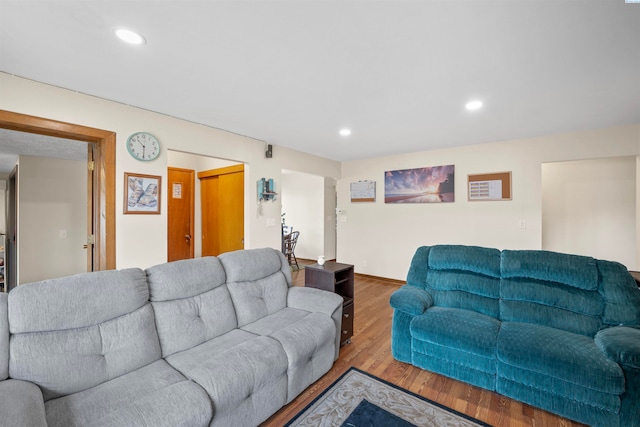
359, 399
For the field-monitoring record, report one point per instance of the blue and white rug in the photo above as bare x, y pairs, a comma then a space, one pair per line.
359, 399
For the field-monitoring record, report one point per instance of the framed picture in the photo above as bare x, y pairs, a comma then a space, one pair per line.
421, 185
141, 193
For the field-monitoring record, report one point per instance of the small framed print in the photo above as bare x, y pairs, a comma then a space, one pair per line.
142, 193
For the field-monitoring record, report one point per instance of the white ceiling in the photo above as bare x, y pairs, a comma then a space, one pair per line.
13, 144
292, 73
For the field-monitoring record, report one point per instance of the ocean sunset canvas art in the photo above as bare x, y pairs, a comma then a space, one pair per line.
421, 185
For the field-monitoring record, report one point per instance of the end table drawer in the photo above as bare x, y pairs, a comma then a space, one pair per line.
347, 323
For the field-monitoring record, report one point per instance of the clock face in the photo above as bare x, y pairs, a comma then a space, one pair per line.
143, 146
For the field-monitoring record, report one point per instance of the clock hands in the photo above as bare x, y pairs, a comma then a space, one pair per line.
143, 140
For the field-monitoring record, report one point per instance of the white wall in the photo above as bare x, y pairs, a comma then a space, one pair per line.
53, 199
380, 238
141, 240
589, 208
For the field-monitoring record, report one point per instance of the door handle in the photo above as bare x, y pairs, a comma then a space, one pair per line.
187, 238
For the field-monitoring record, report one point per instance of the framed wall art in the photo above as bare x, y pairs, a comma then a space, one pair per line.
141, 193
422, 185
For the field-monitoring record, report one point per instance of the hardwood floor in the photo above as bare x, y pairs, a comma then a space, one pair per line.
370, 351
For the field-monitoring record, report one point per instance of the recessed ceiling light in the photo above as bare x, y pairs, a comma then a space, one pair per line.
473, 105
345, 132
129, 36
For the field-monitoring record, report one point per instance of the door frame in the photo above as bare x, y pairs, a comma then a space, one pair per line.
103, 217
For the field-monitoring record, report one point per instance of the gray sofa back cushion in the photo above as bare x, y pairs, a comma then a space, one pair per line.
77, 301
4, 337
258, 281
74, 333
184, 279
191, 302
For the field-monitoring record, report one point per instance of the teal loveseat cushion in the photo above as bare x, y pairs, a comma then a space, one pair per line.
465, 330
466, 277
457, 343
559, 363
619, 291
551, 289
475, 259
573, 270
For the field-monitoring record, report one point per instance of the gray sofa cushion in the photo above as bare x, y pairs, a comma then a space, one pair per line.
258, 281
21, 404
244, 375
191, 302
185, 278
74, 333
67, 361
309, 344
77, 301
251, 264
4, 337
307, 338
155, 395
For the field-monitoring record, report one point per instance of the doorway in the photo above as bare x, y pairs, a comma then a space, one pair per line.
101, 190
309, 206
589, 208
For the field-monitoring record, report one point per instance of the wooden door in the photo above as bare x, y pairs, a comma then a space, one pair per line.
222, 198
181, 213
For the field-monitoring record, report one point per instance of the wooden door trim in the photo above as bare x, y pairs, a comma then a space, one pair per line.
221, 171
105, 161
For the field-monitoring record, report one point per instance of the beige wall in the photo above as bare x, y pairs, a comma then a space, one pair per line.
141, 239
52, 218
380, 238
589, 208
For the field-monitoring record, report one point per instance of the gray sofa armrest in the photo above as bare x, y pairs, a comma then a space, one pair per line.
621, 344
411, 300
314, 300
22, 403
318, 301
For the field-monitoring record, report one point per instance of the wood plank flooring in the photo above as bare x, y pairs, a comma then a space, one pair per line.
370, 351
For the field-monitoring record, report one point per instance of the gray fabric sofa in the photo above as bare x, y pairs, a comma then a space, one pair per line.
220, 341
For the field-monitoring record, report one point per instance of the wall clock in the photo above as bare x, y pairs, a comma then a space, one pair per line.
143, 146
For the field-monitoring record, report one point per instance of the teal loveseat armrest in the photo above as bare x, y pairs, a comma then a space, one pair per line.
411, 300
621, 344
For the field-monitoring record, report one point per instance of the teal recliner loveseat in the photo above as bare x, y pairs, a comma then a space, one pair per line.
557, 331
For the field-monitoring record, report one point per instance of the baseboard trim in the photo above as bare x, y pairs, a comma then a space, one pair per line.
386, 279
